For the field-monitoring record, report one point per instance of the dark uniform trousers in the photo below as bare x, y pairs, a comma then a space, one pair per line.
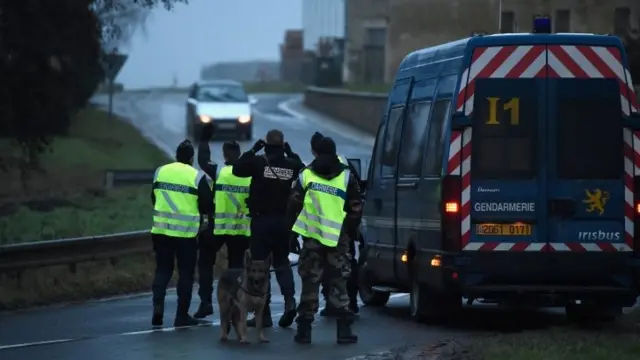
167, 250
269, 234
319, 263
352, 281
209, 247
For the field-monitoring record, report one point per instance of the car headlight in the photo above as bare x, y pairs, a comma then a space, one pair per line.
244, 119
205, 119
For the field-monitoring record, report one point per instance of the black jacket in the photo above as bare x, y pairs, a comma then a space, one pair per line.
329, 167
271, 177
204, 161
205, 197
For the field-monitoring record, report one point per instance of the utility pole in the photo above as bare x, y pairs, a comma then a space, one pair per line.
499, 16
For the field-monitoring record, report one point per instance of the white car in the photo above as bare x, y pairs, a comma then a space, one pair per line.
222, 103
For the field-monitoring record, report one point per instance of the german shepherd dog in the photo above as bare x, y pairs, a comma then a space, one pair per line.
240, 292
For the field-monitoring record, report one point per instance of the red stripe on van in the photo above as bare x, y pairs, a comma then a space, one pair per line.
564, 61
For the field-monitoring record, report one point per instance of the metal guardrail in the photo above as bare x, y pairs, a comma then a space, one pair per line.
117, 178
72, 251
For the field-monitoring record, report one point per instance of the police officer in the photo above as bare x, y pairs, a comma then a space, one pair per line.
325, 206
352, 283
180, 194
231, 224
271, 177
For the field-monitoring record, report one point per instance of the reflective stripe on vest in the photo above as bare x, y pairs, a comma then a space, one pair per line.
323, 212
343, 160
176, 213
231, 215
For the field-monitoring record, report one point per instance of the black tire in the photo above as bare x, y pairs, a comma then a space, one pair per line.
369, 296
431, 307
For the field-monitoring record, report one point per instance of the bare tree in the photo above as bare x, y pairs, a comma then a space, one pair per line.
120, 20
50, 63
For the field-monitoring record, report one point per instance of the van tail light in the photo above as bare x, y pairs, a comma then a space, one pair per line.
636, 215
451, 197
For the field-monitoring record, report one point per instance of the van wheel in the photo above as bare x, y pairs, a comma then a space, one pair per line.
419, 301
369, 296
432, 307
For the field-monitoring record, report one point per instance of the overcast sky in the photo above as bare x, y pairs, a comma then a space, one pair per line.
203, 32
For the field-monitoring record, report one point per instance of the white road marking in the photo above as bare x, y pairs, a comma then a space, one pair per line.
363, 357
346, 131
48, 342
141, 332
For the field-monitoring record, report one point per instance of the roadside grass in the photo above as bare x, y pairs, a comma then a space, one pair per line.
67, 198
619, 341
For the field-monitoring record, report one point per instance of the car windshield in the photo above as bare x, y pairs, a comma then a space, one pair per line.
221, 93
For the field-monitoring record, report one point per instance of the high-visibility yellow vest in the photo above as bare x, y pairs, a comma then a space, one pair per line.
231, 215
323, 212
176, 213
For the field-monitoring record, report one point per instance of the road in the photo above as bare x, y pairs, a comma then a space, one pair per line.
161, 118
120, 328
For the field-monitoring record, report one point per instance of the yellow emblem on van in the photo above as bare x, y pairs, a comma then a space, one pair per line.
596, 200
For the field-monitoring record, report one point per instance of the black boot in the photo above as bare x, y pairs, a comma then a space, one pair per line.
266, 315
329, 310
289, 313
303, 335
353, 306
205, 309
185, 320
182, 315
158, 315
345, 335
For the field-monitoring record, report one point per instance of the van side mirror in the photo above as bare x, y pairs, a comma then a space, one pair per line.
356, 164
459, 120
632, 121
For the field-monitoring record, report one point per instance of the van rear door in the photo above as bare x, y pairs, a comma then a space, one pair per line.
545, 198
590, 209
507, 208
503, 212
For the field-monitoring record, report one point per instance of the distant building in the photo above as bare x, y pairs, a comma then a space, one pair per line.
292, 56
322, 19
366, 38
324, 26
415, 24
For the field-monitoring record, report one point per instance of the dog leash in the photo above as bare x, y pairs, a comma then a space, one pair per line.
293, 263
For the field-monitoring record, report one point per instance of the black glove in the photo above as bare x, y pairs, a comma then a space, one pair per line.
287, 149
294, 244
206, 133
259, 145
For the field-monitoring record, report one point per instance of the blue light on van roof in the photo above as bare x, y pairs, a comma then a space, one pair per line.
542, 25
